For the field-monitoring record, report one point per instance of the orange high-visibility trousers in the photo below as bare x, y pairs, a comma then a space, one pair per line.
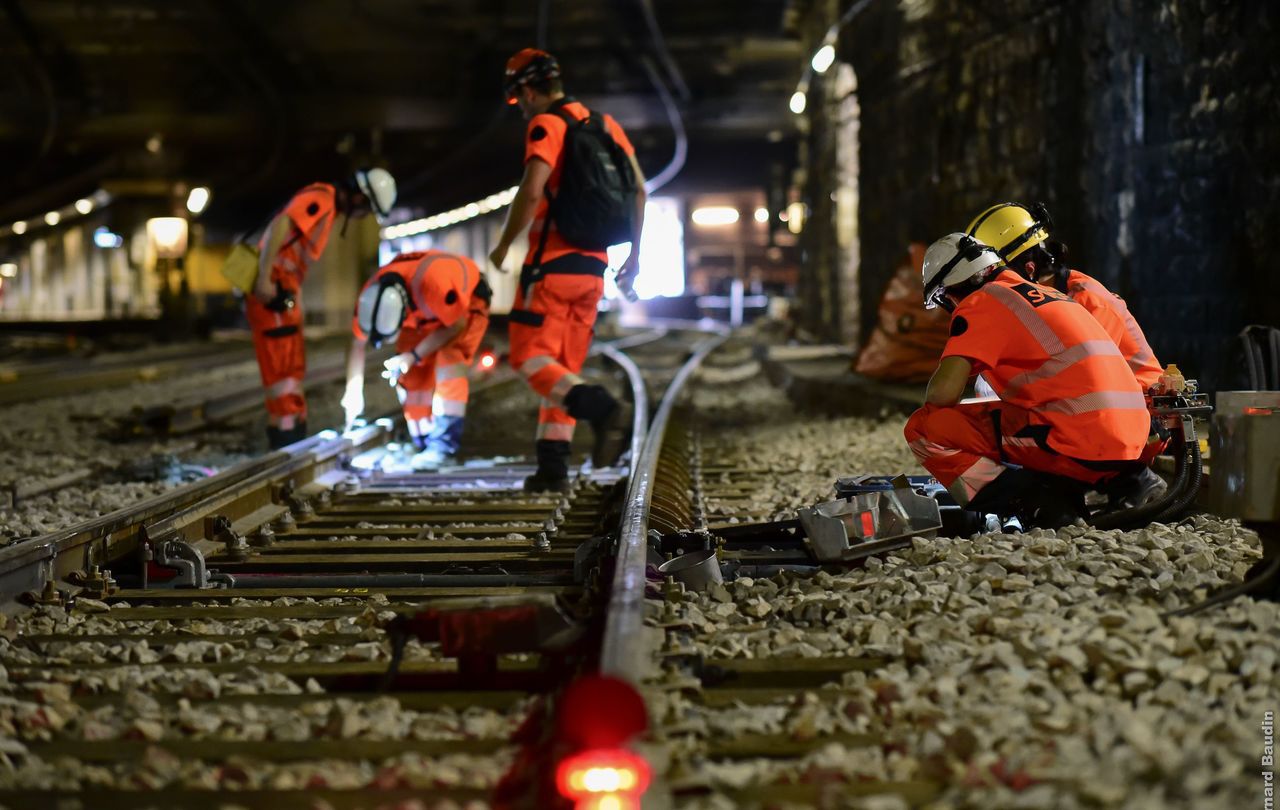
438, 385
550, 331
282, 360
959, 447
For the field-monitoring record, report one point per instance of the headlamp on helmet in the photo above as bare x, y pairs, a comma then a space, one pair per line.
382, 307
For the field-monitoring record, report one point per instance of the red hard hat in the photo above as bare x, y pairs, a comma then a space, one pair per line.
528, 65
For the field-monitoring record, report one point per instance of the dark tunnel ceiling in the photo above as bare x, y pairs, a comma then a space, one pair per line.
254, 96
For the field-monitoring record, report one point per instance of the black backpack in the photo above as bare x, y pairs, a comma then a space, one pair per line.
595, 206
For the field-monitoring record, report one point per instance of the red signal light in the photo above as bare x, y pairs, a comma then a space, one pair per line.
603, 779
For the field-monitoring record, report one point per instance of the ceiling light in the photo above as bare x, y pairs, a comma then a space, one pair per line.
19, 228
104, 238
795, 217
824, 58
198, 199
714, 215
168, 236
762, 215
8, 269
52, 218
84, 206
797, 102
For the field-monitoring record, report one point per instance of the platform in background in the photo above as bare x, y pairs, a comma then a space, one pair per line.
820, 379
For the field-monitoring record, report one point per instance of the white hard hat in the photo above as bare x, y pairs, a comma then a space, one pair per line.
380, 187
381, 308
952, 259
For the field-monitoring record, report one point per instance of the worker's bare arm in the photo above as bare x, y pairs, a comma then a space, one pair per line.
532, 186
948, 383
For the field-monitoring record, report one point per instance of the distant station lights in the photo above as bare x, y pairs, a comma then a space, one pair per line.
462, 213
762, 215
8, 270
712, 215
81, 207
104, 238
198, 200
824, 58
798, 102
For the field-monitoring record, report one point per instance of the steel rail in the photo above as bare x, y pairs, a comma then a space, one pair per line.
623, 653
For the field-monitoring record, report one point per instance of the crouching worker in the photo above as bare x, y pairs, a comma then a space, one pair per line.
1068, 404
435, 306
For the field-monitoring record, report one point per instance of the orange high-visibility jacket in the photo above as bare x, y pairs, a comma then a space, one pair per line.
433, 305
1110, 311
1044, 352
311, 213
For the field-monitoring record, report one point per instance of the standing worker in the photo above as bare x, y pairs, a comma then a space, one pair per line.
583, 191
1068, 404
294, 239
435, 306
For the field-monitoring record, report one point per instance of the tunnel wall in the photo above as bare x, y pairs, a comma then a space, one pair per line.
1149, 127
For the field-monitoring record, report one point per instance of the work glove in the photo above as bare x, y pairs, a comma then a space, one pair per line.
353, 402
283, 302
397, 366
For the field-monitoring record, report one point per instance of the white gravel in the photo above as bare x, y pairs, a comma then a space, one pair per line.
1023, 671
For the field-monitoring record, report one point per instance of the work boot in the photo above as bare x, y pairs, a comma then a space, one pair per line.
1035, 499
278, 437
552, 474
431, 458
1131, 490
610, 425
445, 435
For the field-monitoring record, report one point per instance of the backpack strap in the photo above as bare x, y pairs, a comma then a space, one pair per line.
557, 108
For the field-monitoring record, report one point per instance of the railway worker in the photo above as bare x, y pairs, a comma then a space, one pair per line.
562, 278
293, 240
1021, 236
1068, 404
435, 306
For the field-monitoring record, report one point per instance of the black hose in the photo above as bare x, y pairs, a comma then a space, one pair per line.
1267, 573
1256, 372
1275, 358
1192, 487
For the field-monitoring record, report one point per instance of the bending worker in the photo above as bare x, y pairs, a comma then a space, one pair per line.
1068, 404
582, 190
435, 306
1021, 236
294, 239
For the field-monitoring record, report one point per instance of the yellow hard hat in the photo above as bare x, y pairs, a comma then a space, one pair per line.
1010, 228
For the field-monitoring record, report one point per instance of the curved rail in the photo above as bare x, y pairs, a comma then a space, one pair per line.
623, 654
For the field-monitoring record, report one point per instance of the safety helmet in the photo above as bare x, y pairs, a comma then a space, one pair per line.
380, 187
382, 307
528, 65
954, 258
1011, 228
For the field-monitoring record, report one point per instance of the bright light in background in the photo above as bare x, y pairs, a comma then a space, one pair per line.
762, 215
661, 252
19, 228
488, 361
824, 58
710, 215
84, 206
52, 218
168, 235
198, 199
797, 102
8, 269
795, 217
104, 238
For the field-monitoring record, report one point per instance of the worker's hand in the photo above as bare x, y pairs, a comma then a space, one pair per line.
499, 255
353, 402
626, 278
397, 366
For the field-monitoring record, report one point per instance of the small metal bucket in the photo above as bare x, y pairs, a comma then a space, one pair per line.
698, 570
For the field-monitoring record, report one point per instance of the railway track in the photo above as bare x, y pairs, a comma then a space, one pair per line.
317, 625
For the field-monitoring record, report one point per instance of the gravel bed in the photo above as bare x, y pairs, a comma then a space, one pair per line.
1023, 671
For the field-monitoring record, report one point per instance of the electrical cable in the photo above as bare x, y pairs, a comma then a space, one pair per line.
664, 54
681, 150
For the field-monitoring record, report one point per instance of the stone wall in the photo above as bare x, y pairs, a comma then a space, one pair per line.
1149, 127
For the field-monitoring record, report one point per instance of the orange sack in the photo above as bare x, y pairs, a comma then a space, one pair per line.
908, 339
